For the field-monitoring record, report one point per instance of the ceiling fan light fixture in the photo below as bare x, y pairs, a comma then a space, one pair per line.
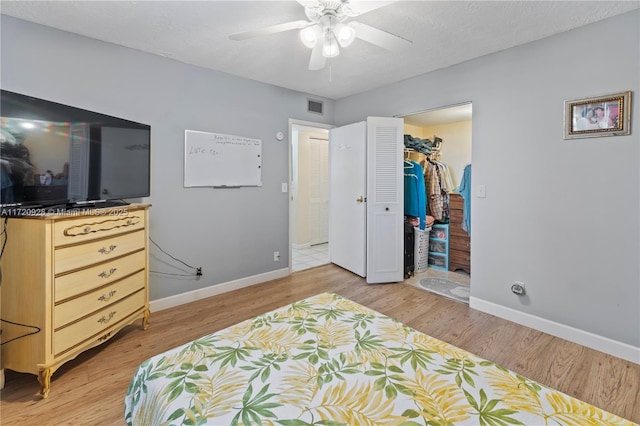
310, 35
327, 29
345, 34
330, 47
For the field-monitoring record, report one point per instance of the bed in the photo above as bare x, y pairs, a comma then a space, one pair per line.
327, 360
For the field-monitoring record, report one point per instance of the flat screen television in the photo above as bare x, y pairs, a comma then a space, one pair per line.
59, 155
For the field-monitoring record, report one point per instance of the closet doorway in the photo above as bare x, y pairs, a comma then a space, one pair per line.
309, 195
453, 125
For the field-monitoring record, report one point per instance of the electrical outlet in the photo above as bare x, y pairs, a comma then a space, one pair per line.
199, 271
518, 288
276, 256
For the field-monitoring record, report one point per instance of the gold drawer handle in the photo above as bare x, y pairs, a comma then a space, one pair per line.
105, 250
105, 298
105, 274
106, 319
105, 337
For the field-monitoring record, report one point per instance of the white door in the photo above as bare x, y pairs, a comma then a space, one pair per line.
347, 192
385, 200
318, 190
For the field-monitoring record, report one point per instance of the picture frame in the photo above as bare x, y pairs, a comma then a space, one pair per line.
598, 116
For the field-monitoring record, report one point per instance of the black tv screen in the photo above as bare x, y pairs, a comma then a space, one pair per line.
57, 154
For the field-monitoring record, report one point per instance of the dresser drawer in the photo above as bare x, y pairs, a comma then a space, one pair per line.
460, 243
88, 228
457, 216
69, 285
461, 257
79, 256
456, 202
74, 309
71, 335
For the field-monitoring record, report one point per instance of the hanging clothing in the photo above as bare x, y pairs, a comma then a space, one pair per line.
465, 192
415, 202
445, 189
434, 191
446, 179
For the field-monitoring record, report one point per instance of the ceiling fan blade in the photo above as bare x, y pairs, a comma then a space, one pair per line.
359, 7
317, 61
287, 26
379, 37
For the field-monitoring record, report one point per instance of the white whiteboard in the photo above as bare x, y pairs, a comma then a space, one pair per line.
215, 159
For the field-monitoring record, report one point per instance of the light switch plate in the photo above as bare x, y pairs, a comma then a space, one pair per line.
482, 191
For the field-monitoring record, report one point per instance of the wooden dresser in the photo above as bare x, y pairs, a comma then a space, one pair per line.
459, 240
70, 282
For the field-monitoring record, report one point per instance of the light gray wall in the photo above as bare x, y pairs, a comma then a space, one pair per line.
560, 215
231, 233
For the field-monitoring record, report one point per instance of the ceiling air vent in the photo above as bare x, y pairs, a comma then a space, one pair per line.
314, 106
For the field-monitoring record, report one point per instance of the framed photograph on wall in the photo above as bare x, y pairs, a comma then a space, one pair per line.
598, 116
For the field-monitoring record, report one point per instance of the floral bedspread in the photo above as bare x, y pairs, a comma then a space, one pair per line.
326, 360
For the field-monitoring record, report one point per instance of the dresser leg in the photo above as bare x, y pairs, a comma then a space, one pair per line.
145, 319
2, 378
44, 377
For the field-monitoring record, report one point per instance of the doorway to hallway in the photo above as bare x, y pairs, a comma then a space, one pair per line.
309, 196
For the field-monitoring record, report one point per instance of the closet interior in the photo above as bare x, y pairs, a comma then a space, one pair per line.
437, 183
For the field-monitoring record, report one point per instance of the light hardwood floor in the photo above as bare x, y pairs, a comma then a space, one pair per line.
90, 390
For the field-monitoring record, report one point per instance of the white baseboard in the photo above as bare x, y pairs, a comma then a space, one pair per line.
203, 293
575, 335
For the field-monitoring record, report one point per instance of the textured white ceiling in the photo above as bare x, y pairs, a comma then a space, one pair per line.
196, 32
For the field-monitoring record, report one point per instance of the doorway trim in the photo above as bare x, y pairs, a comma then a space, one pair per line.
438, 109
297, 125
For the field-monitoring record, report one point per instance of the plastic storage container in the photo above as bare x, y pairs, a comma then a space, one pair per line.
438, 246
441, 232
438, 261
438, 256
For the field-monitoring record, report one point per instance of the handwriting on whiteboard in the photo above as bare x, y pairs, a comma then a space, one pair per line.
195, 150
234, 140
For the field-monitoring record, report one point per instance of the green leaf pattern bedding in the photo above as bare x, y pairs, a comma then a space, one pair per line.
326, 360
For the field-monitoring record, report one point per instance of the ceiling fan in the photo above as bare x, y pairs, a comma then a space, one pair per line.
326, 31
